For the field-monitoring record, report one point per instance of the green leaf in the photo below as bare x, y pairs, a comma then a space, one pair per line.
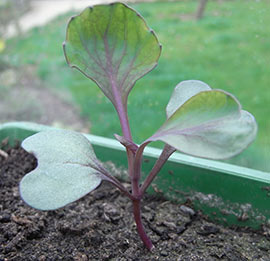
67, 169
182, 92
113, 46
210, 124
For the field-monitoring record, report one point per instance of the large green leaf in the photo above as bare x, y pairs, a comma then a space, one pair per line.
67, 169
209, 124
112, 45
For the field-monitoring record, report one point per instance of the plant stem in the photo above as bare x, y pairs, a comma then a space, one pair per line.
140, 228
122, 114
123, 118
166, 153
136, 193
138, 164
134, 161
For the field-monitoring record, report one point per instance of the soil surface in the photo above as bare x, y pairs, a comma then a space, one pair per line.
100, 226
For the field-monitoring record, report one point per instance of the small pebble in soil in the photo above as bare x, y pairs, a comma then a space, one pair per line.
206, 230
187, 210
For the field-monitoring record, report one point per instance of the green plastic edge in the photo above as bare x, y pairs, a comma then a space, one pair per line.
226, 193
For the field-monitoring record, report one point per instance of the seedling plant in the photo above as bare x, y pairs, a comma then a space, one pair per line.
113, 46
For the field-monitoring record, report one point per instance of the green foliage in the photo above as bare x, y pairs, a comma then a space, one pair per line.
206, 123
113, 46
228, 48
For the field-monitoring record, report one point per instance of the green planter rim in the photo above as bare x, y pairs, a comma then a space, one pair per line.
223, 191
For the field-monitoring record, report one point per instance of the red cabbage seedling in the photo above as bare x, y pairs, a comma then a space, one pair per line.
113, 46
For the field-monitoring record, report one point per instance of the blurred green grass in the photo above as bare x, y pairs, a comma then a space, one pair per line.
228, 49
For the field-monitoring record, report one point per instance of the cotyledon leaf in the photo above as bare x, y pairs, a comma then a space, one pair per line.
209, 124
113, 46
67, 169
184, 91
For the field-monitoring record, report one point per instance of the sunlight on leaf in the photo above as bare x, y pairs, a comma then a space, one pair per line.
113, 46
67, 169
206, 123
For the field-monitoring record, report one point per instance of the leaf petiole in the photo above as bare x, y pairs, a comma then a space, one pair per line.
164, 156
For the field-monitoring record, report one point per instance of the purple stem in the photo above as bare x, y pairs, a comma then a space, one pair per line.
122, 113
134, 174
138, 163
134, 165
166, 153
134, 161
134, 169
140, 228
136, 193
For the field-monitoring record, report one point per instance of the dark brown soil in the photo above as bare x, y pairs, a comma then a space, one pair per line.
100, 227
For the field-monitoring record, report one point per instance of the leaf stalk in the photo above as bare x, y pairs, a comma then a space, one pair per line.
166, 153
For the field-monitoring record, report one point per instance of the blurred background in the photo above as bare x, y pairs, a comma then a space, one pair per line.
225, 43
